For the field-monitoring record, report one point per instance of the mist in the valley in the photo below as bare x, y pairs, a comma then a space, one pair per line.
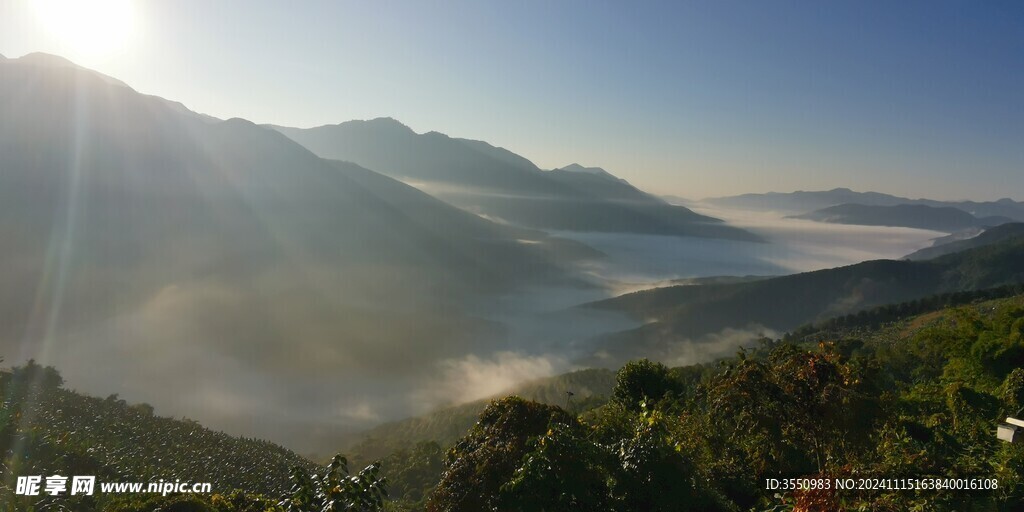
219, 271
544, 335
637, 262
308, 362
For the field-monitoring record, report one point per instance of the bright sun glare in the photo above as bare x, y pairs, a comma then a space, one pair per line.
89, 27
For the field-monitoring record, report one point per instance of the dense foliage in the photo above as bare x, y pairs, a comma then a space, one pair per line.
336, 490
917, 398
130, 441
46, 430
873, 396
483, 461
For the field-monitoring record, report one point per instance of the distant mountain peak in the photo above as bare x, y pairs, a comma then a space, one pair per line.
386, 120
46, 58
239, 121
387, 123
55, 61
574, 167
380, 124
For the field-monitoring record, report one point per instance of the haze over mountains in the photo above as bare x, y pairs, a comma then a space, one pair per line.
920, 216
227, 259
501, 185
294, 292
802, 202
681, 323
988, 236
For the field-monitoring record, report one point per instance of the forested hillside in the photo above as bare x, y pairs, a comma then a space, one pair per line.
915, 398
679, 314
46, 429
990, 236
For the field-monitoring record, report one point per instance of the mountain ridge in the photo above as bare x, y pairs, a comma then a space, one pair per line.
675, 317
989, 236
920, 216
229, 249
496, 183
805, 201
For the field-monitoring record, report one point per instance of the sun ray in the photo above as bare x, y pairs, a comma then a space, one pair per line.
92, 28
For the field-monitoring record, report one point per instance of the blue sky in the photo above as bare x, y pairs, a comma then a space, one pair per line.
691, 98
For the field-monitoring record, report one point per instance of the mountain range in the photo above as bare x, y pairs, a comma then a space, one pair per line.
936, 218
501, 185
806, 201
226, 257
260, 270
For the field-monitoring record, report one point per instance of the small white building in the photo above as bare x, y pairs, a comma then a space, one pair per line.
1012, 431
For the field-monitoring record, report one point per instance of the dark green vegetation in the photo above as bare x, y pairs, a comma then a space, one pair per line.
990, 236
47, 430
805, 201
944, 218
681, 314
916, 398
481, 178
860, 397
129, 441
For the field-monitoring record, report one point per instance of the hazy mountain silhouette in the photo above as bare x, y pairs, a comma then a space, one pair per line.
597, 182
499, 184
589, 170
945, 218
673, 199
803, 202
223, 256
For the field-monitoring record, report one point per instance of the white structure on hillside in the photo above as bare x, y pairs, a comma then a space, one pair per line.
1012, 431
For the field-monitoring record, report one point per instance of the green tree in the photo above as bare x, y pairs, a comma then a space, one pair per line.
643, 380
336, 490
413, 473
487, 457
564, 471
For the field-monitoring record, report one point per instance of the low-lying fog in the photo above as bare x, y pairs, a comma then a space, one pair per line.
638, 262
537, 343
168, 361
